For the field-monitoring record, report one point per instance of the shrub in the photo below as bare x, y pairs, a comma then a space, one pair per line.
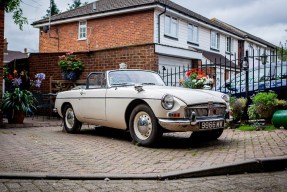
252, 114
264, 105
237, 107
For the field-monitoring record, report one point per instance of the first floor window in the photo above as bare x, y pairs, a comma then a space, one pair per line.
214, 40
192, 34
229, 44
82, 30
250, 50
171, 26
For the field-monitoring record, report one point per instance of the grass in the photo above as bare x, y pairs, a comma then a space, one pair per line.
246, 128
254, 128
270, 128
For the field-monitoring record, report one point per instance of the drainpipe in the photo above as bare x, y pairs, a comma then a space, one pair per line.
159, 24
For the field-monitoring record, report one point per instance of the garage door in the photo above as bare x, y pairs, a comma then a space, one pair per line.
172, 69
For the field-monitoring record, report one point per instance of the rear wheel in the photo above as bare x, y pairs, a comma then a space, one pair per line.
71, 123
144, 128
207, 135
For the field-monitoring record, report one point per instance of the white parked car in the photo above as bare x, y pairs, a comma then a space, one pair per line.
139, 101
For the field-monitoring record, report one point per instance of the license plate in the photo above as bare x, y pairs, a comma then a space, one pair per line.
211, 124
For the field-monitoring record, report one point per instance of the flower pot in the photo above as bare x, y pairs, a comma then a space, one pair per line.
71, 75
18, 117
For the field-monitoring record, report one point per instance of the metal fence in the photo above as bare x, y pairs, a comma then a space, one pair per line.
239, 77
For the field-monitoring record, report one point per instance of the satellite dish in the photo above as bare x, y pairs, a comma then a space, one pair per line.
46, 28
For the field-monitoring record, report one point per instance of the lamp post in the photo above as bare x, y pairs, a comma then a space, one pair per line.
245, 66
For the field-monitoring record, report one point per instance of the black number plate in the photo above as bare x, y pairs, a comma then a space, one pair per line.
211, 124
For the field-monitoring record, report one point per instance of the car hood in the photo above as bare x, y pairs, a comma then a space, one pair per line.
191, 96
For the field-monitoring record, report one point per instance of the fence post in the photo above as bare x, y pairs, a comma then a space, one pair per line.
246, 69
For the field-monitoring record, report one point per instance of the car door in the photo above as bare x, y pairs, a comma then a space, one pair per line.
92, 102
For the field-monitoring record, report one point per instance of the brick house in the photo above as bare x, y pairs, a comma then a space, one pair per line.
148, 34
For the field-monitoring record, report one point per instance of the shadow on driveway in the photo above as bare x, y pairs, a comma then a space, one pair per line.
168, 141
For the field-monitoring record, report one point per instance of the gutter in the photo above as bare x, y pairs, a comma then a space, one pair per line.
96, 15
158, 18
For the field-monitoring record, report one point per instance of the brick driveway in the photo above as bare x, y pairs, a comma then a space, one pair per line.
49, 150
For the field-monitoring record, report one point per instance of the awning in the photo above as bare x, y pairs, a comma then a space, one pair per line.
218, 59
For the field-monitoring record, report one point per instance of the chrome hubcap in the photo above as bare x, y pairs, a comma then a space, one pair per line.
70, 118
142, 125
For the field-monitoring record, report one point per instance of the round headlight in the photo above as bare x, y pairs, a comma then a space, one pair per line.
225, 98
167, 102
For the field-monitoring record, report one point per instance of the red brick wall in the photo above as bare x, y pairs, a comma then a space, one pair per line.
140, 56
106, 32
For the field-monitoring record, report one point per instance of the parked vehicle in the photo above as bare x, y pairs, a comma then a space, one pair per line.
139, 101
269, 77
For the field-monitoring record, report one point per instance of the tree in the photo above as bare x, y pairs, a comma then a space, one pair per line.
76, 4
53, 9
13, 6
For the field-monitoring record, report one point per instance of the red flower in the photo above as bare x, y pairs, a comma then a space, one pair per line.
10, 76
188, 73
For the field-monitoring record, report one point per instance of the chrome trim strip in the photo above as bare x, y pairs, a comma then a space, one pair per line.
185, 122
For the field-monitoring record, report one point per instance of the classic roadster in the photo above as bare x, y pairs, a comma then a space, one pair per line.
139, 101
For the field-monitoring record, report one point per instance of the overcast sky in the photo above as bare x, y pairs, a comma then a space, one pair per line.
266, 19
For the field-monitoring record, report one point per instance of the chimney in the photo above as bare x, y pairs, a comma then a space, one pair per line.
94, 6
5, 46
25, 51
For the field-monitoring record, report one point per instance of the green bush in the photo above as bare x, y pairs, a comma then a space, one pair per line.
252, 114
263, 106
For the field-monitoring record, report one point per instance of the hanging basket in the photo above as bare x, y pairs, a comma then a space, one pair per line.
71, 75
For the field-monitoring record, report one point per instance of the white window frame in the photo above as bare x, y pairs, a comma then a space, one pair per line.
214, 40
229, 45
250, 50
82, 32
192, 34
171, 26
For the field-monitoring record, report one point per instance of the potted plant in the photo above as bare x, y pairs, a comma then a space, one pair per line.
195, 79
16, 104
70, 65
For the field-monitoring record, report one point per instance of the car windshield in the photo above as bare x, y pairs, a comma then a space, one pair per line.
133, 77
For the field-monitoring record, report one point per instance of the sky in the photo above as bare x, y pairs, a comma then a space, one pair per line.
266, 19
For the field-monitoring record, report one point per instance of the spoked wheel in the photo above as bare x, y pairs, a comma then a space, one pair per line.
71, 123
207, 135
144, 128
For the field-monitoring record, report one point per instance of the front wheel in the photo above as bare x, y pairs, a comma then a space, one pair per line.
207, 135
71, 123
144, 128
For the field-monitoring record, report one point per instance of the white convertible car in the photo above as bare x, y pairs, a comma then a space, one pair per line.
139, 101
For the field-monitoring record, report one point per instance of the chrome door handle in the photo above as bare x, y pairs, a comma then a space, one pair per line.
82, 93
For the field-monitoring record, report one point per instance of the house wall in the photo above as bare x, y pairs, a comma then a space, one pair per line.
257, 59
203, 35
107, 32
136, 57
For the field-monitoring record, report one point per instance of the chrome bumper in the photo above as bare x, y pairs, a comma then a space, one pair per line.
181, 125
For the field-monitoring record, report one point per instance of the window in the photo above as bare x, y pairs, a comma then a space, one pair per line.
171, 26
229, 44
82, 30
214, 40
192, 34
250, 50
272, 56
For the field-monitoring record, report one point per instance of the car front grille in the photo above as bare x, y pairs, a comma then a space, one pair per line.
206, 109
